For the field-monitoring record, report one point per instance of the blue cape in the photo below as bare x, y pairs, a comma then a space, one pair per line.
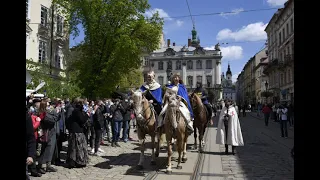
182, 91
157, 93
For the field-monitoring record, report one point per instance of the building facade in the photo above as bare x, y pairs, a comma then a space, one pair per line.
280, 32
259, 78
192, 62
229, 90
47, 38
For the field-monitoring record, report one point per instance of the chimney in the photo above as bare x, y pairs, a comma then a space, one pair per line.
189, 42
174, 44
168, 42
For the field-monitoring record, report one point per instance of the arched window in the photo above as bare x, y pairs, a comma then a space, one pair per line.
189, 64
199, 64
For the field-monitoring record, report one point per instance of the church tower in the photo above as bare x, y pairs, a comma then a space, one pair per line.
229, 73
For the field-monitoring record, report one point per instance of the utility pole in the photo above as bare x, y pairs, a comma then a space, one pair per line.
51, 39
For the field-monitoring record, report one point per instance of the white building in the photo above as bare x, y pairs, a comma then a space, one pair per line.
192, 62
229, 90
47, 38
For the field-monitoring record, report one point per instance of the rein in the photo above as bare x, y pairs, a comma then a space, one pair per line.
150, 117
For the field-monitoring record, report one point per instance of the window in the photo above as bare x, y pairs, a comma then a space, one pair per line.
292, 48
199, 64
279, 38
283, 34
190, 81
199, 79
59, 25
281, 79
27, 8
160, 80
169, 65
189, 64
288, 50
160, 65
208, 64
291, 25
42, 51
178, 65
146, 61
287, 29
57, 58
26, 44
145, 77
44, 16
285, 78
209, 81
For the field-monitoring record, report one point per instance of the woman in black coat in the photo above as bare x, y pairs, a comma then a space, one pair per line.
30, 143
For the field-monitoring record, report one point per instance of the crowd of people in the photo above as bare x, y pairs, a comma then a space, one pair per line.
84, 125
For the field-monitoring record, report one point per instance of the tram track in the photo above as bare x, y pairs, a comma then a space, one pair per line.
197, 169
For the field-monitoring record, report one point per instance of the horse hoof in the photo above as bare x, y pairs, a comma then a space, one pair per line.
179, 167
169, 171
201, 150
139, 167
153, 163
184, 160
156, 154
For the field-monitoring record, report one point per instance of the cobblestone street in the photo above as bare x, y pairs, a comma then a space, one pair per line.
115, 163
265, 155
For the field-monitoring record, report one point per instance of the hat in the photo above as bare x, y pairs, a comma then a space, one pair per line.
36, 100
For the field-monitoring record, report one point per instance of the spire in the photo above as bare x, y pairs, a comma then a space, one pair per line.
229, 71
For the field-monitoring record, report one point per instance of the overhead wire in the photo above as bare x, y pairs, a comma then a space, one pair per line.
218, 13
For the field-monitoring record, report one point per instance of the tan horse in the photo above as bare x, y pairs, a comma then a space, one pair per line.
200, 119
174, 118
146, 124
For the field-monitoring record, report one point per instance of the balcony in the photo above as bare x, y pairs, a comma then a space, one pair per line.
273, 63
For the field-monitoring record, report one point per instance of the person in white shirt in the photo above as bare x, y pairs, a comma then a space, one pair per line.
283, 114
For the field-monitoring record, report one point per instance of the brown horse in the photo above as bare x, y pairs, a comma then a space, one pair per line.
174, 120
200, 119
146, 124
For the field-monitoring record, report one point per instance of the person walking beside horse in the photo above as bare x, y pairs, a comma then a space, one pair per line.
229, 130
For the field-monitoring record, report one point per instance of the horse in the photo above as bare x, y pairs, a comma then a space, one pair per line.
146, 124
174, 120
200, 119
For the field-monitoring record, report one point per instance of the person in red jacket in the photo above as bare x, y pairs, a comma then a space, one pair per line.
266, 110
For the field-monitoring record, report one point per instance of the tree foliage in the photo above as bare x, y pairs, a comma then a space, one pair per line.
131, 80
55, 87
116, 34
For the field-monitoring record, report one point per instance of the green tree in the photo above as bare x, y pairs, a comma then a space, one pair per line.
55, 86
132, 79
116, 34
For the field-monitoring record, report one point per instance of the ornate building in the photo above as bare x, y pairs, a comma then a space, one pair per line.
229, 90
193, 62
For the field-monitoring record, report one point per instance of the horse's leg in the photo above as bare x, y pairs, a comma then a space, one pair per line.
169, 145
201, 129
142, 148
158, 144
184, 156
153, 157
195, 145
180, 146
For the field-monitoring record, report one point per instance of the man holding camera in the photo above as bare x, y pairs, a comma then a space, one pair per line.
228, 123
117, 111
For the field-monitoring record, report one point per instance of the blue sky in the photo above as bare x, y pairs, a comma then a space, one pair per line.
236, 28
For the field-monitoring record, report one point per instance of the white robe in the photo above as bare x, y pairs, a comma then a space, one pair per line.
234, 130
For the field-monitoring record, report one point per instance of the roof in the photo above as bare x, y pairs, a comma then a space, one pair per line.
175, 48
274, 16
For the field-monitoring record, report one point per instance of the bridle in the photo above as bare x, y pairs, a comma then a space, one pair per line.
146, 121
195, 105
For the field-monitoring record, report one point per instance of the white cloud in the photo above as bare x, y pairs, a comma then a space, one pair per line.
251, 32
235, 76
233, 12
161, 12
230, 52
179, 23
276, 3
164, 15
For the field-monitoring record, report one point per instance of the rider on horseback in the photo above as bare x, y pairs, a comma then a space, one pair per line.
178, 86
203, 95
153, 92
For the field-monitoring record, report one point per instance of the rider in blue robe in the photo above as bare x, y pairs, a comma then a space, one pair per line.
153, 91
183, 93
203, 95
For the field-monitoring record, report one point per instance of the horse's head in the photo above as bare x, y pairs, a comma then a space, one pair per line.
194, 100
140, 103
